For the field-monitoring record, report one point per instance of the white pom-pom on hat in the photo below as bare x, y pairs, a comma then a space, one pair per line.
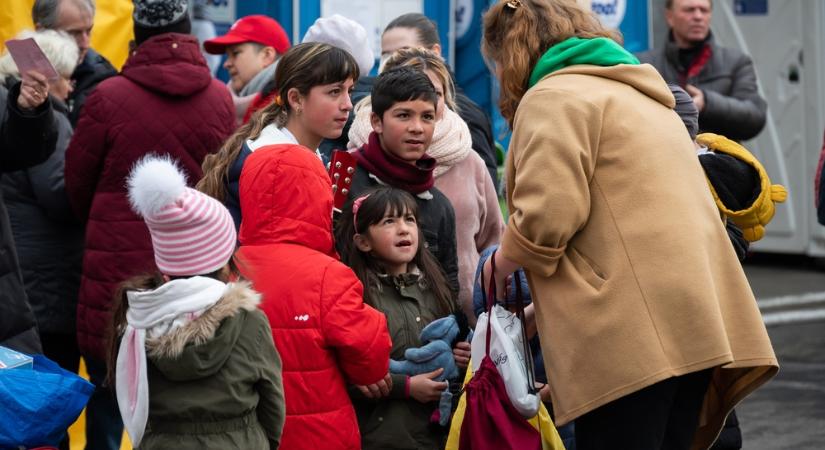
192, 233
154, 182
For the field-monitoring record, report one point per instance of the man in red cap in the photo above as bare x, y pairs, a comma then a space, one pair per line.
252, 45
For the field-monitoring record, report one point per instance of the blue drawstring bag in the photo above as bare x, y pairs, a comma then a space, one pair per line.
38, 404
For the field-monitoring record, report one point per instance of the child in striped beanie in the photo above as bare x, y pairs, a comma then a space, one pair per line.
194, 350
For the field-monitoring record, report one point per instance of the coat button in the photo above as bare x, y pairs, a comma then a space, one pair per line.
418, 319
380, 419
174, 45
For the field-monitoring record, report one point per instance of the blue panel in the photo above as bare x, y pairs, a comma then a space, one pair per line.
635, 26
439, 11
471, 72
310, 12
750, 7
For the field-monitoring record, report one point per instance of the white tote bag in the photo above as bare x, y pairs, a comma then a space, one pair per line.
507, 353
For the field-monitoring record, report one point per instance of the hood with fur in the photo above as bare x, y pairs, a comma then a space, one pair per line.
201, 347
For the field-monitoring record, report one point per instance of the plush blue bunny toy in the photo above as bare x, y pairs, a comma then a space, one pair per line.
434, 353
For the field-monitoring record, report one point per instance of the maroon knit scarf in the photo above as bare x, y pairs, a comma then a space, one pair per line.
394, 171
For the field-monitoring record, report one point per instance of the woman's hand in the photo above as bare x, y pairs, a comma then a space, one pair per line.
424, 389
34, 90
377, 390
461, 354
504, 268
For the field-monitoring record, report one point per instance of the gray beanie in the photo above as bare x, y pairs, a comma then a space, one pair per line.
159, 13
686, 109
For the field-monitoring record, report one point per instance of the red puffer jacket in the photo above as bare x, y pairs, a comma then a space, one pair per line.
326, 335
164, 102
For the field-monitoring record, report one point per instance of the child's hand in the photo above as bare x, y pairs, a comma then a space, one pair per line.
377, 390
461, 354
424, 389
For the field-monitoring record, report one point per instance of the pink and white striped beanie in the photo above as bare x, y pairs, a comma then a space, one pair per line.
192, 233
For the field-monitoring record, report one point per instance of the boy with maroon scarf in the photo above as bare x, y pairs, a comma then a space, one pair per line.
403, 119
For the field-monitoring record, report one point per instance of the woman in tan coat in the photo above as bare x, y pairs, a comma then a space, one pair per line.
649, 329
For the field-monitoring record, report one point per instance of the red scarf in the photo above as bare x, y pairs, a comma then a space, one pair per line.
393, 170
696, 65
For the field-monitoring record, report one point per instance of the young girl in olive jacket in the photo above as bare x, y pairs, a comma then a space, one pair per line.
380, 235
195, 366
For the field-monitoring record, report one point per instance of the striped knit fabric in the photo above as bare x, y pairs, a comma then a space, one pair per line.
194, 235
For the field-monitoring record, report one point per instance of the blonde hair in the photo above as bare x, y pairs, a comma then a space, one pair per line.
517, 33
424, 60
302, 67
60, 49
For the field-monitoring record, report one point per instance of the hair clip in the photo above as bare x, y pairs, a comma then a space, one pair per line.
356, 205
514, 4
278, 100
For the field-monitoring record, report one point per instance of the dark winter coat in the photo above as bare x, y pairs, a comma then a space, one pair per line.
436, 218
92, 70
224, 393
399, 421
26, 139
48, 238
324, 333
733, 106
164, 102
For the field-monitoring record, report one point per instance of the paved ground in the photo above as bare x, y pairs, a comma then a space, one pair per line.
789, 412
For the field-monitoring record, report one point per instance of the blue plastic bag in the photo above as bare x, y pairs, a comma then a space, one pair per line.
38, 404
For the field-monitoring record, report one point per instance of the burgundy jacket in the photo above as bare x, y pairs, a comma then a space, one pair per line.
164, 101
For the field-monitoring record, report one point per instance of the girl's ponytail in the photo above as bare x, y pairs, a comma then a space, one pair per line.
216, 166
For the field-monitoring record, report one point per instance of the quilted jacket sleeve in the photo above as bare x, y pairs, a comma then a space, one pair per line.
544, 216
357, 332
85, 155
741, 114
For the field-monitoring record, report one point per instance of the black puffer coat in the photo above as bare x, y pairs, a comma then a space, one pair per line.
48, 239
26, 139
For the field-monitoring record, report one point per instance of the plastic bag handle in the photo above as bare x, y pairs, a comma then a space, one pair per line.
489, 299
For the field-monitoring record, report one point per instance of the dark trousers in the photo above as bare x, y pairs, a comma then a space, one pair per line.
663, 416
104, 427
62, 349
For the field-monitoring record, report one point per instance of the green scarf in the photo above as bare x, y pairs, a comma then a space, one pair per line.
597, 51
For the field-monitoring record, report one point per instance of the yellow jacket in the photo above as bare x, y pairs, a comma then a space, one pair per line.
751, 220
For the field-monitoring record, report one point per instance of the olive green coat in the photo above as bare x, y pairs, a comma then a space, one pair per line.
399, 422
216, 381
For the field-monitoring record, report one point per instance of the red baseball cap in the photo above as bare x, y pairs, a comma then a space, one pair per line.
258, 28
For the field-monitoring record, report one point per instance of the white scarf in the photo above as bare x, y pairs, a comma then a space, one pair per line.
451, 142
271, 135
155, 313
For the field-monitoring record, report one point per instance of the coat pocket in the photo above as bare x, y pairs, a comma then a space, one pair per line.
586, 268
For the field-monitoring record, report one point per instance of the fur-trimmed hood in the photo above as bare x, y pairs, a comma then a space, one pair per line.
200, 348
